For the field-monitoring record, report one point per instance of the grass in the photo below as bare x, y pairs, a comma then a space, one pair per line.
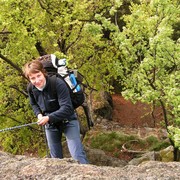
111, 142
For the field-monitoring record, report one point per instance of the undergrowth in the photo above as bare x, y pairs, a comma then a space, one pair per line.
112, 142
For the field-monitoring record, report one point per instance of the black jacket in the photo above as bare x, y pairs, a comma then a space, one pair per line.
57, 106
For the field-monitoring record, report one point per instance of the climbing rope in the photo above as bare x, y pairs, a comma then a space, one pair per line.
17, 127
25, 125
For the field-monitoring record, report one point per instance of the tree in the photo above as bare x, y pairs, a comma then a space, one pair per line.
133, 42
150, 58
33, 28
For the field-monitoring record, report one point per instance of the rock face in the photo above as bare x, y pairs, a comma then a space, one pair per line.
22, 167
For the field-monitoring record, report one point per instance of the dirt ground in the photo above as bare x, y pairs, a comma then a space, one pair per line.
136, 119
136, 115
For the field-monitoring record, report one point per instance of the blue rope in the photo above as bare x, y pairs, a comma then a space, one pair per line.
17, 127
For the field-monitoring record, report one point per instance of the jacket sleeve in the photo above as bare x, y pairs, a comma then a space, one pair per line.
66, 110
35, 106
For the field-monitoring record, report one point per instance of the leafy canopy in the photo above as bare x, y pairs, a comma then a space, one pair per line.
134, 44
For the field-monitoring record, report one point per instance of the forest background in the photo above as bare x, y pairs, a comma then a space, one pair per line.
130, 47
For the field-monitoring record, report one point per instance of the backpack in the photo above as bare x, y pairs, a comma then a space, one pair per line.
73, 79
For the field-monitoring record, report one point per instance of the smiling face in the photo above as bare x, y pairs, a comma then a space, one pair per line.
37, 79
35, 72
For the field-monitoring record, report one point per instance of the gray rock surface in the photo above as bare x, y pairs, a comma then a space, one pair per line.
23, 167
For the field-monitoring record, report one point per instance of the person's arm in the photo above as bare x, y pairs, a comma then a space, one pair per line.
35, 107
42, 120
66, 108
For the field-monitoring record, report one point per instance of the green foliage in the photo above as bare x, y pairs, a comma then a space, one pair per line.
150, 56
25, 142
108, 141
175, 135
155, 144
112, 142
134, 43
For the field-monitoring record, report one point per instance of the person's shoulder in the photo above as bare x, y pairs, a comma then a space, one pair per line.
56, 79
29, 87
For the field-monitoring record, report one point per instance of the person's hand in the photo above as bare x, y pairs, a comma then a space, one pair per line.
39, 116
43, 120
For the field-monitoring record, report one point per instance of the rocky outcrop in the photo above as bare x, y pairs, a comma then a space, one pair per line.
103, 106
23, 167
99, 158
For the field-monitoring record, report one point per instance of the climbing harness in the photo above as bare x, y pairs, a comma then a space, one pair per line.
17, 127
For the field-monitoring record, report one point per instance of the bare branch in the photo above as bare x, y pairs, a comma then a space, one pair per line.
76, 38
13, 65
5, 32
16, 88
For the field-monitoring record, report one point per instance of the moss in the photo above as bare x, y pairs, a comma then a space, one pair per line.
112, 142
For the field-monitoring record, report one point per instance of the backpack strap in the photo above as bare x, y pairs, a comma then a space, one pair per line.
52, 81
29, 88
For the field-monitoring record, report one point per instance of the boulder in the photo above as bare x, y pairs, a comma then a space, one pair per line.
23, 167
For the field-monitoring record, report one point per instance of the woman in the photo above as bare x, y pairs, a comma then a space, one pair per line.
55, 113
